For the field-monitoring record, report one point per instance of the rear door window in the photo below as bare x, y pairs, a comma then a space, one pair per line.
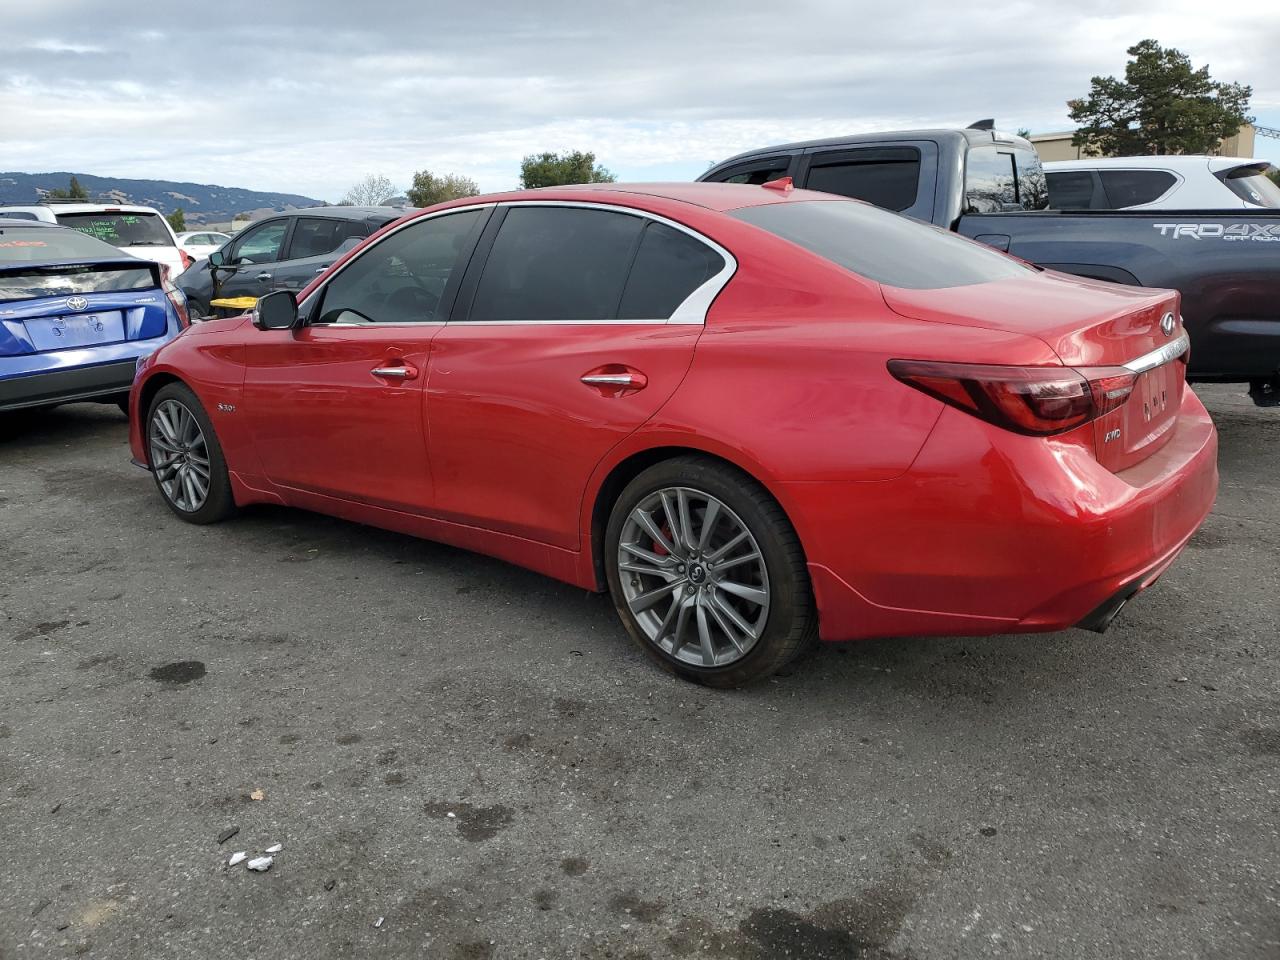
557, 263
1070, 190
889, 177
668, 267
1129, 188
120, 229
316, 236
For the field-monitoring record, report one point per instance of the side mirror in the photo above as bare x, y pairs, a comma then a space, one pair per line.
217, 259
278, 310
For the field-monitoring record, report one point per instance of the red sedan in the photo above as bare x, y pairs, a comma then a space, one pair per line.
754, 415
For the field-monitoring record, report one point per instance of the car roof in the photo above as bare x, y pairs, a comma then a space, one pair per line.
97, 206
18, 222
345, 212
973, 136
1181, 163
712, 196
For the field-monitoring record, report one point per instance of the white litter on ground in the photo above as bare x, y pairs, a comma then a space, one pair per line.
236, 858
260, 863
275, 848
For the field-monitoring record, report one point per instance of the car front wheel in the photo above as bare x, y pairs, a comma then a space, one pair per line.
708, 574
186, 458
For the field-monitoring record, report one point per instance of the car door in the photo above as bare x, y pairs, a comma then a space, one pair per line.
335, 406
313, 248
251, 258
574, 324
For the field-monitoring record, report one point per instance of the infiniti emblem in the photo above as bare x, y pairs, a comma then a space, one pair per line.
1167, 324
77, 303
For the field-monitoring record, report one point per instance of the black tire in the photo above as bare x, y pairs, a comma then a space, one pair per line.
218, 503
791, 626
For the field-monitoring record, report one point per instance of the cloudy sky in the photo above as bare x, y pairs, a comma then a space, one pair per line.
307, 96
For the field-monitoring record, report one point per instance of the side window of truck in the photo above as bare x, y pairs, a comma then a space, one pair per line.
888, 177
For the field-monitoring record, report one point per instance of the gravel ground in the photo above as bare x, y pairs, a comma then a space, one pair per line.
465, 760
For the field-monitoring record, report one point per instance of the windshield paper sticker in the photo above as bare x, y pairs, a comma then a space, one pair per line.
1264, 232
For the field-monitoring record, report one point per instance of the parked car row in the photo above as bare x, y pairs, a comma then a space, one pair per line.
283, 252
756, 414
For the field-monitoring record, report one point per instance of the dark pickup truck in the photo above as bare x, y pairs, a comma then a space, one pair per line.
990, 186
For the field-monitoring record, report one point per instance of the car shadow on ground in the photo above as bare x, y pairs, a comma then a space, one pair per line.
43, 426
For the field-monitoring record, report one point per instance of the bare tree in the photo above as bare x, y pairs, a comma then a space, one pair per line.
373, 191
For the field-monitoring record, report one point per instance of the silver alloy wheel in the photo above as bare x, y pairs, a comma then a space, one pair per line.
179, 455
694, 577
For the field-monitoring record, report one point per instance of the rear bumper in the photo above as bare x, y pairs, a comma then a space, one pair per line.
990, 532
60, 386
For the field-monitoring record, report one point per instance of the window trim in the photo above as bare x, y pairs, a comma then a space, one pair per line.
692, 310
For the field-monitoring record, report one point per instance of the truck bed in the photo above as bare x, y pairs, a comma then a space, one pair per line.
1226, 263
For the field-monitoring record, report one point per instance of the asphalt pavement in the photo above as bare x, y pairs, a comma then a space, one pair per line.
463, 760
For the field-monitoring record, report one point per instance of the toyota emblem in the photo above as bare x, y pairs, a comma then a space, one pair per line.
77, 303
1167, 323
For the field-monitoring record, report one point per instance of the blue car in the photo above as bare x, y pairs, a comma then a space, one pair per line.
76, 316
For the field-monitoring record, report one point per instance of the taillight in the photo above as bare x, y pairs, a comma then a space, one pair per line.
177, 298
1038, 401
186, 259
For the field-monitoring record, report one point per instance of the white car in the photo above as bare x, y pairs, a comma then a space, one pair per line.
199, 244
1161, 183
139, 231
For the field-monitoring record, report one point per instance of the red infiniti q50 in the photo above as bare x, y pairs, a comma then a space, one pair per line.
756, 416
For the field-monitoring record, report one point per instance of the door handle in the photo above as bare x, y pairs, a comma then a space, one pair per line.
321, 269
404, 372
615, 380
264, 276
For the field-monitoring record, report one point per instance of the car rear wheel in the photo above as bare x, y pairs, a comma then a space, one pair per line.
707, 573
186, 458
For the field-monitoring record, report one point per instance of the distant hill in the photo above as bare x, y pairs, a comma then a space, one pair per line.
201, 202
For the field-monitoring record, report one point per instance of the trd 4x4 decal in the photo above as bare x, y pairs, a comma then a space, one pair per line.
1265, 232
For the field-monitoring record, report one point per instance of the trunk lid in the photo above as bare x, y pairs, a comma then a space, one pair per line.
1087, 323
69, 306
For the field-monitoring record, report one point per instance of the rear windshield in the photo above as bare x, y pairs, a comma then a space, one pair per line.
883, 246
1252, 185
67, 281
40, 244
120, 229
